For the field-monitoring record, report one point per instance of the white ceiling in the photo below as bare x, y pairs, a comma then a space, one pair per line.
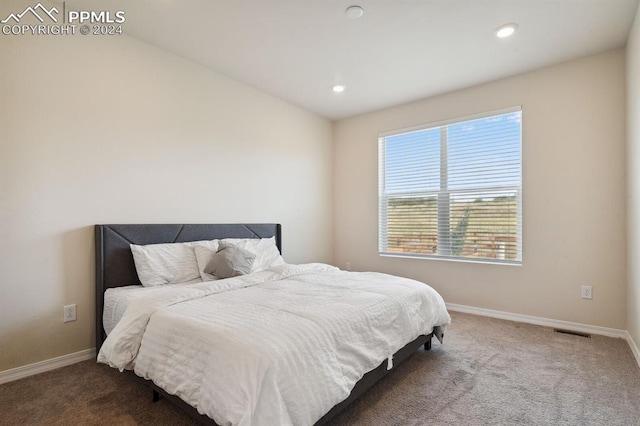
399, 51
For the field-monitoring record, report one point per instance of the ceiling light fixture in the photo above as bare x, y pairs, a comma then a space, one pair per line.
506, 30
354, 12
338, 88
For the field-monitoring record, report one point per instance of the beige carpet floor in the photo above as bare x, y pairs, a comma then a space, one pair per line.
488, 372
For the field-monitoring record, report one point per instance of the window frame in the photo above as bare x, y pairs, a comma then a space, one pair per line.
443, 194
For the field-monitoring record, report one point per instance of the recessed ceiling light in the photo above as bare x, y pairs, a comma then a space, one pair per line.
506, 30
338, 88
354, 12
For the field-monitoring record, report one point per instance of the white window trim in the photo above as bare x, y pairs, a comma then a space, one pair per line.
382, 198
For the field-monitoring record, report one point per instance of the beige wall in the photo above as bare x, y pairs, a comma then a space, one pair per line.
633, 178
573, 189
112, 130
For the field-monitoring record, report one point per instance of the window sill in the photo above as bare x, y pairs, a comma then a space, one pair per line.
454, 259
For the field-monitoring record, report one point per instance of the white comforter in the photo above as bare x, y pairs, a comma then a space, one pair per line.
277, 347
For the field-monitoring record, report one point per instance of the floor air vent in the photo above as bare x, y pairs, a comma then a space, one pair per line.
574, 333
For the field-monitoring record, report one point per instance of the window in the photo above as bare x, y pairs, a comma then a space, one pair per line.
453, 189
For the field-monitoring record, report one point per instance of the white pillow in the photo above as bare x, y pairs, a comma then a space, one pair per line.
204, 251
159, 264
265, 249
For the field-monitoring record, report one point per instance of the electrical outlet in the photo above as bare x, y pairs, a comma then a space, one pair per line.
348, 266
69, 313
586, 292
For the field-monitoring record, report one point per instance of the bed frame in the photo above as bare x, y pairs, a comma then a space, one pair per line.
115, 268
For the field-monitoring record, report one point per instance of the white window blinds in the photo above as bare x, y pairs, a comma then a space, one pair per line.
453, 189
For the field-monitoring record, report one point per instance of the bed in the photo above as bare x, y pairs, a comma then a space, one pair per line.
272, 287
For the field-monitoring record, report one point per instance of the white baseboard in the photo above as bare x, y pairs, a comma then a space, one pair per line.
634, 348
546, 322
46, 365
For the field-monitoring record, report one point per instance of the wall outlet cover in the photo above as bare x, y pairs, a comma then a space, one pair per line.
586, 292
69, 313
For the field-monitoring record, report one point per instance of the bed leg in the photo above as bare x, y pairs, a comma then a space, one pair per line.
156, 396
427, 345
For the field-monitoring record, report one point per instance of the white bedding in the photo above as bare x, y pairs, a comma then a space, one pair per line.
117, 299
281, 346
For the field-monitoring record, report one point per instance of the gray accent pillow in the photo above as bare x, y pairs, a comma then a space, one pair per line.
230, 262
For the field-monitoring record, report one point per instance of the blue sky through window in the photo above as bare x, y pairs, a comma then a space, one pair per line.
481, 153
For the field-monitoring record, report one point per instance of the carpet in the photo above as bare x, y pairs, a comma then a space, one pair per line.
488, 372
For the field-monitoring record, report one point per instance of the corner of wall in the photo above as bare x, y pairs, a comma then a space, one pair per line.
633, 183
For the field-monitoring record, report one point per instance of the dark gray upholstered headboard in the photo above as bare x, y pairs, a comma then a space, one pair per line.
114, 261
